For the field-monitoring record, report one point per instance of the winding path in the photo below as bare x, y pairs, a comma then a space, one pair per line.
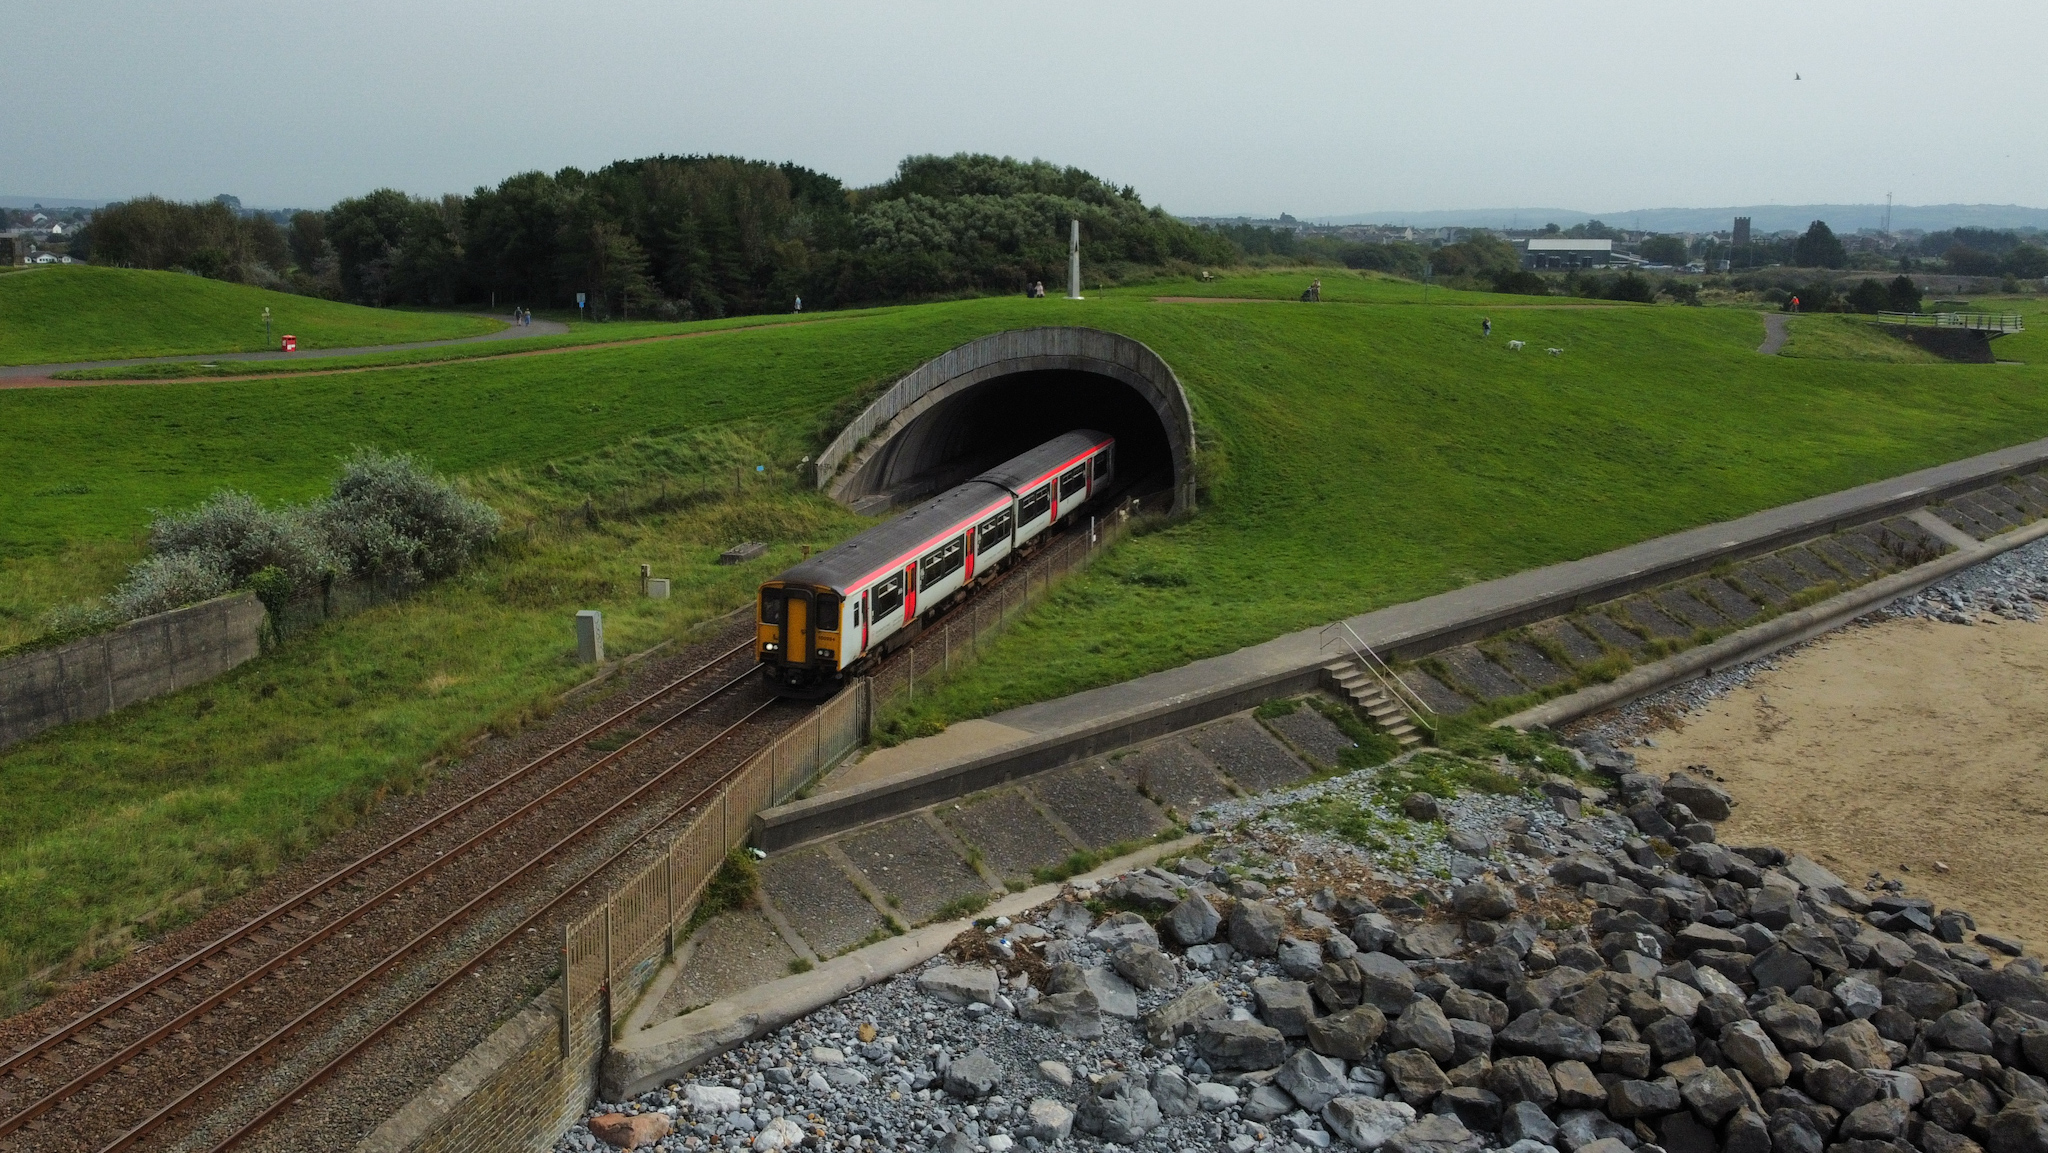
32, 375
1774, 334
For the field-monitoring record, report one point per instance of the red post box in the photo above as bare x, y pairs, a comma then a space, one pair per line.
291, 343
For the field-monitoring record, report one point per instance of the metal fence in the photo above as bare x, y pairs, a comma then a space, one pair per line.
1978, 321
618, 944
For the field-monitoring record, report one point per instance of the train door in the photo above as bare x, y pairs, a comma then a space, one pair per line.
909, 592
861, 609
785, 615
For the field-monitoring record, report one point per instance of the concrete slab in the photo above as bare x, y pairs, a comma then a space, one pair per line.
733, 952
1814, 569
1865, 543
1607, 630
1579, 648
1688, 609
912, 866
1749, 580
1528, 664
1641, 611
1477, 676
1097, 804
964, 739
1313, 735
824, 906
1777, 572
1842, 557
1013, 836
1253, 759
1434, 693
1726, 601
1175, 775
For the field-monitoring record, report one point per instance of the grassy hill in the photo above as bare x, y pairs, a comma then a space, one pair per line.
80, 312
1355, 455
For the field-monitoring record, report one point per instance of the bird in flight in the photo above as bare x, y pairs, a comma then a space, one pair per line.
1795, 76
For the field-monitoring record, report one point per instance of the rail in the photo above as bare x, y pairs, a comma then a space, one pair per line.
1974, 321
1382, 672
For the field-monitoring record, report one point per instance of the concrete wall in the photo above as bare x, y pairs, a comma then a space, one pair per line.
144, 658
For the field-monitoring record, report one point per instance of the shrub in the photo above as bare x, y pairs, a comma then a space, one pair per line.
171, 580
1521, 283
251, 537
390, 516
1629, 286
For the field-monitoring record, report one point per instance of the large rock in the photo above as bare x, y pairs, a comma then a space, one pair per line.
1747, 1045
1177, 1018
780, 1133
1714, 1096
1856, 1044
1119, 1109
1422, 1025
1365, 1122
1311, 1078
1525, 1121
1838, 1086
1428, 942
1193, 921
1515, 1079
1349, 1034
1778, 967
1707, 800
1628, 1100
707, 1099
1473, 1005
960, 984
1476, 1108
1577, 1087
1957, 1030
1415, 1075
1144, 966
1076, 1014
1373, 932
1551, 1036
974, 1075
1385, 983
1483, 899
1113, 995
1174, 1094
630, 1131
1227, 1044
1255, 928
2021, 1127
1795, 1027
1436, 1134
1120, 928
1880, 1120
1050, 1120
1142, 891
1285, 1005
1300, 958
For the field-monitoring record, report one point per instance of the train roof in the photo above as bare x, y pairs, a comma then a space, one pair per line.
1019, 471
861, 554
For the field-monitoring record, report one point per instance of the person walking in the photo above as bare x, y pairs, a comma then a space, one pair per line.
1485, 326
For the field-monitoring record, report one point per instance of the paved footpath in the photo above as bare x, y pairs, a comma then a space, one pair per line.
39, 375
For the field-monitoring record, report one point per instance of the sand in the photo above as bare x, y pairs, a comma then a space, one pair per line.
1893, 746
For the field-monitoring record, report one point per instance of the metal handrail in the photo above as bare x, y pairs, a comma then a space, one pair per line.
1978, 321
1381, 671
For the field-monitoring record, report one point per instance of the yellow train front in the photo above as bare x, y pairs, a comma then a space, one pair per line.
872, 592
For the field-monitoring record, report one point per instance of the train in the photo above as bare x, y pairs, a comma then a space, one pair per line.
837, 612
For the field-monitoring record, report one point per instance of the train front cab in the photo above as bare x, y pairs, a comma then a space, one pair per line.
797, 635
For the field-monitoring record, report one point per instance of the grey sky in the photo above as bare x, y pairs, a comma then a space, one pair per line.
1206, 108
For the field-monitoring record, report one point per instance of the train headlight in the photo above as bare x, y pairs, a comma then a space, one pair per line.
770, 647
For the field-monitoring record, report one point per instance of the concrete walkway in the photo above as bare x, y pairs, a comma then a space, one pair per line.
39, 375
1774, 334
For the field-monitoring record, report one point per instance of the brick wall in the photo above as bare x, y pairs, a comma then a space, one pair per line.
145, 658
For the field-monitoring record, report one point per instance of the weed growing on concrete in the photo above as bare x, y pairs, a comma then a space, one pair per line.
731, 887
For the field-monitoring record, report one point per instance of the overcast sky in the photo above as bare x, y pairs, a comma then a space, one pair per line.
1207, 108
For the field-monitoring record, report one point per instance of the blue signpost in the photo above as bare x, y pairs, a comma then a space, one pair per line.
579, 306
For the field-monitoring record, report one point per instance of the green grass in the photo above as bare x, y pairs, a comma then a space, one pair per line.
1838, 337
1353, 456
1340, 286
78, 312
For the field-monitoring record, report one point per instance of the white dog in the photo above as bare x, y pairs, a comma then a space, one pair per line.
1555, 351
1514, 346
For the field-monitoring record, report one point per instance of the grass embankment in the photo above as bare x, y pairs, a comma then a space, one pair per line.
1848, 337
1353, 456
1340, 286
79, 312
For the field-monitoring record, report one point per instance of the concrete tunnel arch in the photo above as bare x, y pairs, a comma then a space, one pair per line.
985, 401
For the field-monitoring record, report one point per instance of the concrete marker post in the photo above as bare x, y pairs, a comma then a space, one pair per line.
590, 637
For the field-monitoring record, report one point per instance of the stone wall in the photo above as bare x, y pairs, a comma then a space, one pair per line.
95, 675
513, 1093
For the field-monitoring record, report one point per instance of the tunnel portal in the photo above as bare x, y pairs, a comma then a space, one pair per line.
987, 401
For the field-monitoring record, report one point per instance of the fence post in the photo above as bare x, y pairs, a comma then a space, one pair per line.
607, 1040
818, 746
567, 989
668, 872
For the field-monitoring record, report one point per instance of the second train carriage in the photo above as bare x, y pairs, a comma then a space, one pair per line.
850, 602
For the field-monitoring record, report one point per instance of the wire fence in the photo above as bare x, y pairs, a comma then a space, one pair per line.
619, 943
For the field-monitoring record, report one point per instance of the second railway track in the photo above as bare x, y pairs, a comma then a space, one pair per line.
240, 999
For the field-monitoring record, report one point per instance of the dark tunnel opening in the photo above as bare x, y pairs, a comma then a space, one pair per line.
999, 418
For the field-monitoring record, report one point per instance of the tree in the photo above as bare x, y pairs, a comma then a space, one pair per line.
1869, 296
2027, 261
1904, 294
1629, 286
1664, 250
1966, 261
1521, 283
308, 238
1819, 248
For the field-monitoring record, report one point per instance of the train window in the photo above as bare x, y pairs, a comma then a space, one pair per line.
1102, 463
1034, 504
1074, 481
828, 613
941, 563
994, 531
888, 595
771, 606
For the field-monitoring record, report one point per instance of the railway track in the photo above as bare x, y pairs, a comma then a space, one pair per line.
194, 1029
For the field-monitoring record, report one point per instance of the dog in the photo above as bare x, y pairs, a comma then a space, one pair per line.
1555, 351
1515, 346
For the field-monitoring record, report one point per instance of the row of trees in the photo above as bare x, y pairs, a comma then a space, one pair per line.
677, 237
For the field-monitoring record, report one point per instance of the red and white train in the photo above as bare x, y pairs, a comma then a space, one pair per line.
864, 596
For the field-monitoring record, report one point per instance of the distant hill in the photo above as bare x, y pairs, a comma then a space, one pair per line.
47, 202
1764, 217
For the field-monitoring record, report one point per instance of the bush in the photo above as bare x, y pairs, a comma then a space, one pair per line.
1870, 296
1629, 286
1521, 283
172, 580
391, 517
251, 537
1682, 291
